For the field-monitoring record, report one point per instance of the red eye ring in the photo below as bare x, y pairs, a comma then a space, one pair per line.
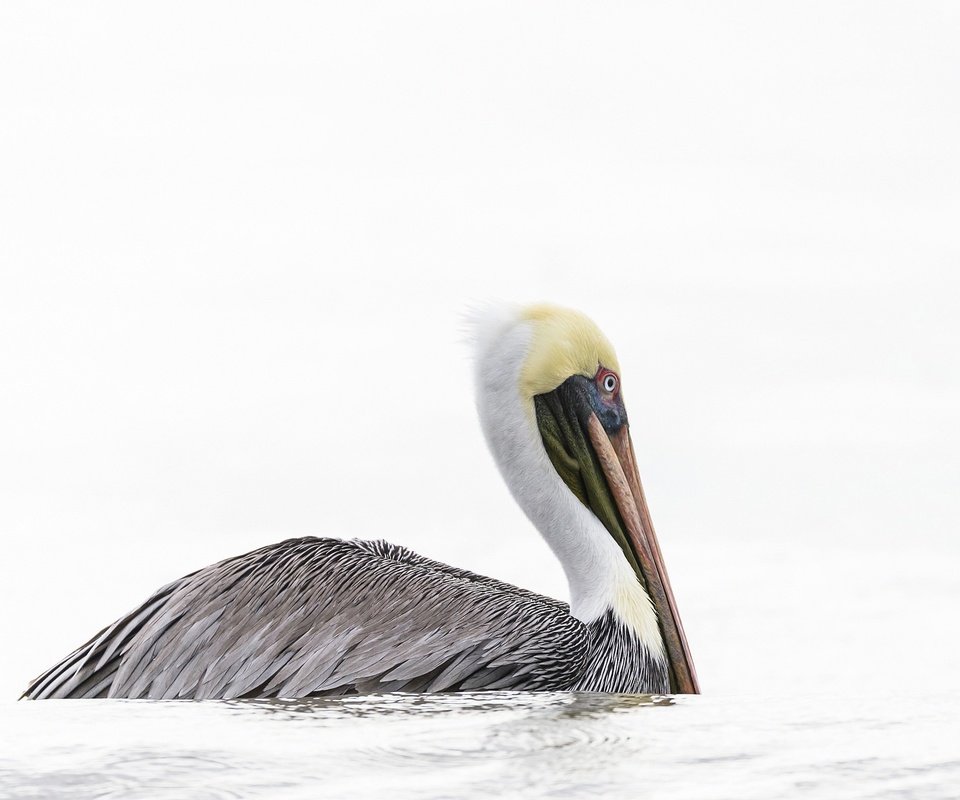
607, 381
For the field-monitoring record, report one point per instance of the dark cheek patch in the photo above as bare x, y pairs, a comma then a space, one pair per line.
562, 419
611, 413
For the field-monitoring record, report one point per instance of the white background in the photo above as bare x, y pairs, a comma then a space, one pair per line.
237, 242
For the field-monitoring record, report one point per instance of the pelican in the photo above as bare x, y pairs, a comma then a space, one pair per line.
322, 616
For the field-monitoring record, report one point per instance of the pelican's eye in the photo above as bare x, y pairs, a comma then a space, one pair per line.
608, 382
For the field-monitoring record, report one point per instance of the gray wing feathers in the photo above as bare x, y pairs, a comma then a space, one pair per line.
324, 616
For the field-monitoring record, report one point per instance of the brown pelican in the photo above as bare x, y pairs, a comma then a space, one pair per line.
311, 616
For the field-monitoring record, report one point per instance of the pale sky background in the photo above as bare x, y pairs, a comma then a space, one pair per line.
237, 242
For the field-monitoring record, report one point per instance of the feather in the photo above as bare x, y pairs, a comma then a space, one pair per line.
314, 616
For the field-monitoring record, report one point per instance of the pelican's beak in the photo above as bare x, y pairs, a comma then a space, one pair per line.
596, 460
619, 465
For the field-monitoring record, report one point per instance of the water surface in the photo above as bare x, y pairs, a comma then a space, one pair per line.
480, 745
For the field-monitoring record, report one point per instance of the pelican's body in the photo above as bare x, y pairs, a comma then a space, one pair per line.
312, 616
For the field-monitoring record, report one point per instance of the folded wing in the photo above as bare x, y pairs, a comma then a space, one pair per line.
310, 617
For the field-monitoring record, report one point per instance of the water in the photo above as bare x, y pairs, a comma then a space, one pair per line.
900, 745
826, 677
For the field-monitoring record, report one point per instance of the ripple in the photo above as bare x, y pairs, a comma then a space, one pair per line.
127, 774
508, 727
478, 745
420, 706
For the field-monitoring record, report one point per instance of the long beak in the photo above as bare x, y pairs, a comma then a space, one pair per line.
619, 465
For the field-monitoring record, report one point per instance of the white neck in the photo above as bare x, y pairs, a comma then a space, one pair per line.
598, 574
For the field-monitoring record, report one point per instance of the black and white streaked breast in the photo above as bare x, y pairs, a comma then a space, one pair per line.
617, 661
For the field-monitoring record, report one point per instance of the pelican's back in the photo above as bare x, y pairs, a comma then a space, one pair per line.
310, 616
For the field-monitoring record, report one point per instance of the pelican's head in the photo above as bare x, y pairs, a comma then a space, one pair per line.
551, 404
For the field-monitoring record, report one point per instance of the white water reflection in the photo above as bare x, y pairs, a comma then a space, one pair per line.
476, 745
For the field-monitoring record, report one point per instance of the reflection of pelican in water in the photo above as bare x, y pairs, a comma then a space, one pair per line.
328, 617
556, 705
